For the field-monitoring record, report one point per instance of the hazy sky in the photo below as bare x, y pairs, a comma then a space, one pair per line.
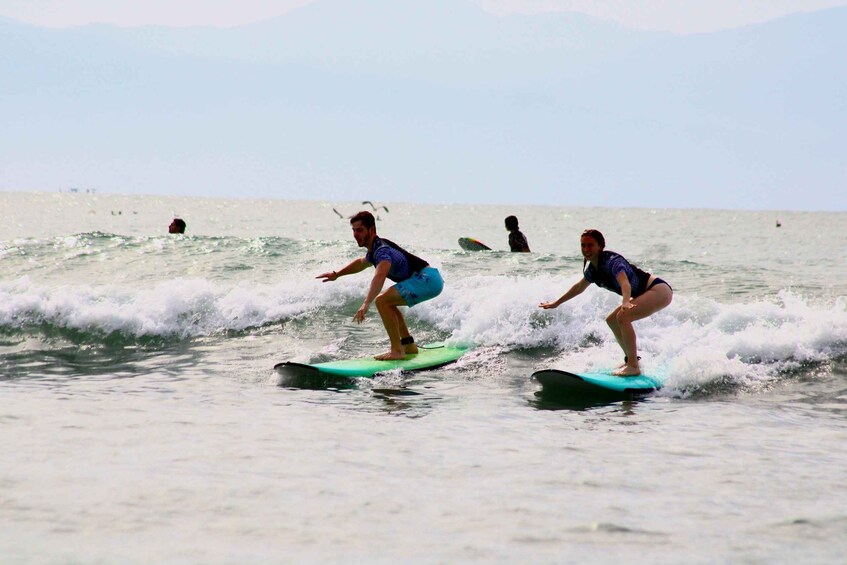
681, 16
716, 121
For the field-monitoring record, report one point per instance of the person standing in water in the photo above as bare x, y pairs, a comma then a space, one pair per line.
642, 294
177, 226
416, 283
517, 240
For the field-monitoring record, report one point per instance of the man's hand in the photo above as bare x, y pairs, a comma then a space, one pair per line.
360, 313
330, 276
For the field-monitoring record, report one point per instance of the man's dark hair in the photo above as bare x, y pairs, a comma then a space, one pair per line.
365, 217
179, 224
511, 223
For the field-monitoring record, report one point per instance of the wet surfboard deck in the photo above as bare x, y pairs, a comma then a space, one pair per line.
471, 244
596, 383
346, 372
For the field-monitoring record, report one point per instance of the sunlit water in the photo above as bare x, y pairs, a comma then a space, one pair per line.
142, 422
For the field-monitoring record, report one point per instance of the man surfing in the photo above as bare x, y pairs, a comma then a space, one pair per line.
416, 283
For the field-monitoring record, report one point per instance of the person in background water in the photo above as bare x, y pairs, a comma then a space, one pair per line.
517, 240
416, 283
177, 226
642, 294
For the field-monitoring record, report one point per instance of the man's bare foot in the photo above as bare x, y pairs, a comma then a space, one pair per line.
408, 344
627, 371
391, 356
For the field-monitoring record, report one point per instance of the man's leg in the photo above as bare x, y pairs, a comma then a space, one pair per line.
387, 305
408, 348
422, 286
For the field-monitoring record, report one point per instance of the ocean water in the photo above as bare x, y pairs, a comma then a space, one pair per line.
141, 420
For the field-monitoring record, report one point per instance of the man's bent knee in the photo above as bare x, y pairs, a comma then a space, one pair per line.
389, 299
382, 302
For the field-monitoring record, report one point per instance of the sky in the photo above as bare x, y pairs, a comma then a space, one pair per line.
596, 114
678, 16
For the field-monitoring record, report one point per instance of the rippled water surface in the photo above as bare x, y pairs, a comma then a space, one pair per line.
142, 421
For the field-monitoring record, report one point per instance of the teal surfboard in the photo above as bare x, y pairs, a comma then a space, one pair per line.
598, 383
471, 244
345, 372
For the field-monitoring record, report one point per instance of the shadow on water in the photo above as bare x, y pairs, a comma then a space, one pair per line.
318, 381
404, 402
556, 400
390, 396
395, 393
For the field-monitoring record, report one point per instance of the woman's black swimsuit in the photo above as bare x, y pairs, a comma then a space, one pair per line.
656, 281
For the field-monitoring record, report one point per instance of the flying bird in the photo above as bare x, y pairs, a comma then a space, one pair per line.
371, 204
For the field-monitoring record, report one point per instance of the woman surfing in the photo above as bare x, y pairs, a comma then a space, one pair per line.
642, 294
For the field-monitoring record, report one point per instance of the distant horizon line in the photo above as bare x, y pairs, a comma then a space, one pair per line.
94, 193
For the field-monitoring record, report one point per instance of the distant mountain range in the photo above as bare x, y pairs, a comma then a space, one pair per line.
433, 101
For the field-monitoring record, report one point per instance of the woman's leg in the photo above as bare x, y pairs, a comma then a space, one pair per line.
655, 299
612, 321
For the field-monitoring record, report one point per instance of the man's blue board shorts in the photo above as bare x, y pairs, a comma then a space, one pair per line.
423, 285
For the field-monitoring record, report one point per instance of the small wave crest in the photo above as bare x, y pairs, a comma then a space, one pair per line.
181, 308
701, 345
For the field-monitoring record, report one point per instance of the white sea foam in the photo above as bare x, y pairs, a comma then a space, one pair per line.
695, 341
181, 307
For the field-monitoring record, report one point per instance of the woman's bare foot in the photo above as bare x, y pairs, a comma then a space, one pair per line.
627, 371
623, 366
390, 356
